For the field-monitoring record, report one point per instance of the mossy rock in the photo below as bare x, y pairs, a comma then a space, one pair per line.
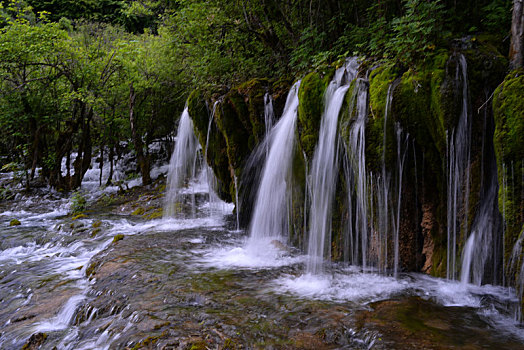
381, 81
96, 224
138, 211
229, 114
95, 232
14, 222
79, 216
216, 150
508, 107
279, 92
310, 109
155, 214
118, 237
35, 341
253, 92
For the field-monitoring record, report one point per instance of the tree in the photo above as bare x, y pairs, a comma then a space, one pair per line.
516, 54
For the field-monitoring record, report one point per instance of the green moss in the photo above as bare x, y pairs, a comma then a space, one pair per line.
229, 115
508, 107
148, 343
138, 211
380, 82
96, 224
14, 222
199, 345
118, 237
79, 216
155, 214
310, 108
253, 92
95, 232
91, 269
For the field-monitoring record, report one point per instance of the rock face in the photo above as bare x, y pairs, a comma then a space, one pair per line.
508, 106
412, 116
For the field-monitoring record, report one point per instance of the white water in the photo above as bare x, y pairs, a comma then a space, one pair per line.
458, 173
182, 165
271, 210
324, 169
401, 157
269, 117
357, 175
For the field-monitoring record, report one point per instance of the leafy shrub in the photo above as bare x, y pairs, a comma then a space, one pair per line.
78, 202
415, 33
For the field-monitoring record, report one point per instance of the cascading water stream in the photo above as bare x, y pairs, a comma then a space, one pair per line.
270, 215
401, 157
357, 155
182, 165
269, 117
324, 168
482, 243
214, 201
458, 172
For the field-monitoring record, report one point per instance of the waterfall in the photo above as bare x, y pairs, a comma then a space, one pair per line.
483, 243
401, 157
182, 165
383, 200
269, 116
324, 168
215, 204
358, 175
458, 172
270, 215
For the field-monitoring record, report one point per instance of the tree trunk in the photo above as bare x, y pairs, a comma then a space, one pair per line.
101, 164
110, 159
83, 160
143, 162
516, 53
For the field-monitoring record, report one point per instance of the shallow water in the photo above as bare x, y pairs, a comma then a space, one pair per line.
180, 283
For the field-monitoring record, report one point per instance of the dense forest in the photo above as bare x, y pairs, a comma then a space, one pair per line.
80, 76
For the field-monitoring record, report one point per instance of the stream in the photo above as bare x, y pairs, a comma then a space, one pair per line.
197, 283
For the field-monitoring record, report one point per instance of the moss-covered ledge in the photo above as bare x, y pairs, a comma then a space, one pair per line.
508, 108
311, 107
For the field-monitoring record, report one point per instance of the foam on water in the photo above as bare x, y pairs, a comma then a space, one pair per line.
263, 253
64, 317
128, 228
352, 286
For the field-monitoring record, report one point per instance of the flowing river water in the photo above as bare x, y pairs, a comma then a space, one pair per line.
197, 283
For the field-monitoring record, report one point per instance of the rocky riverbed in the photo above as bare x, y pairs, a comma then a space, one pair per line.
120, 277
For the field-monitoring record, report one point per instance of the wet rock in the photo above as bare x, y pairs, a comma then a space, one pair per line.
118, 237
35, 342
14, 222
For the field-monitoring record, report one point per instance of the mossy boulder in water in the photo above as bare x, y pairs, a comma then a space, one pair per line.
216, 150
508, 107
14, 222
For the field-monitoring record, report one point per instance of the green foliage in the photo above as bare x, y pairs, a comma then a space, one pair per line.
508, 107
307, 53
78, 203
414, 34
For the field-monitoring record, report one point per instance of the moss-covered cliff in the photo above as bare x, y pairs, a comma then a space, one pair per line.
508, 106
